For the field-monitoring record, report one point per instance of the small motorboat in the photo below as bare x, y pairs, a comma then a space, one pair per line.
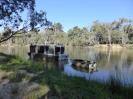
84, 64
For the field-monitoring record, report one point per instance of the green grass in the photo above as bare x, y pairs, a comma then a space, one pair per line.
60, 85
14, 63
78, 88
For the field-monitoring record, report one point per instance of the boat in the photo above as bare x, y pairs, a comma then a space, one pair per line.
56, 51
84, 64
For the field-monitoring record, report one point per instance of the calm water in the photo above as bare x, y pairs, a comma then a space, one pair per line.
117, 62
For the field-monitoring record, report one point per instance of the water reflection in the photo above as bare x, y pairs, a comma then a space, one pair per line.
102, 76
98, 75
109, 61
53, 64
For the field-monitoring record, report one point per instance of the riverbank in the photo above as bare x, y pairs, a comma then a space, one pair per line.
45, 82
113, 46
14, 45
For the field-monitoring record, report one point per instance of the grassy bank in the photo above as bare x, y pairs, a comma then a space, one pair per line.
57, 85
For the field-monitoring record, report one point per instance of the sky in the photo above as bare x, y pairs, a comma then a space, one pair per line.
82, 13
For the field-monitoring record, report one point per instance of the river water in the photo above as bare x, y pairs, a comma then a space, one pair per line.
118, 62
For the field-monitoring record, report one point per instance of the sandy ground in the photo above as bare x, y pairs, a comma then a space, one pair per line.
18, 90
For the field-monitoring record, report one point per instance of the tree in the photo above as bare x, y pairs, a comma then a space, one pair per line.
55, 34
129, 30
123, 26
100, 32
58, 27
117, 31
11, 19
75, 35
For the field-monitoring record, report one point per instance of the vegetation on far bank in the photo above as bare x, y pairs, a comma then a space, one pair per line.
116, 32
23, 31
56, 84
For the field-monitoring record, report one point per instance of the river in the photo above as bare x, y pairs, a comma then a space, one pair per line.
109, 62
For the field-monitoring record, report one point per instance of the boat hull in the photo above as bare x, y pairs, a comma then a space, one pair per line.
84, 64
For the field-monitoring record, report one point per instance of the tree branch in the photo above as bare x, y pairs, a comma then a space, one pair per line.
7, 38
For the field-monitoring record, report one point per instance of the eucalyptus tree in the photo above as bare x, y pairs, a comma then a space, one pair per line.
99, 29
55, 34
129, 30
12, 21
123, 25
75, 35
88, 38
58, 27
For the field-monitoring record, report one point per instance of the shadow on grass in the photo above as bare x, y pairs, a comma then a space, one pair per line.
14, 63
10, 62
65, 87
61, 86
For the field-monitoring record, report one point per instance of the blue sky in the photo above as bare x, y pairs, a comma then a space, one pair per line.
83, 12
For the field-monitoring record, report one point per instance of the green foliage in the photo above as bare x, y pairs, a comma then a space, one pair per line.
58, 27
80, 37
116, 32
59, 84
13, 23
11, 62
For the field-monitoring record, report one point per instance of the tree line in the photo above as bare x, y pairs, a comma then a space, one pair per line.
116, 32
19, 30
